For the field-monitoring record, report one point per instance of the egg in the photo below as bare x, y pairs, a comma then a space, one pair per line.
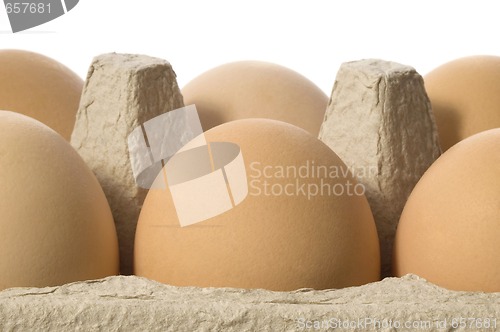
465, 97
255, 89
55, 222
449, 230
41, 88
305, 221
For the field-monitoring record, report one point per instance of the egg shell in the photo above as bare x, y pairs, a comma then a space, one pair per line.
55, 223
41, 88
450, 226
272, 241
465, 97
256, 89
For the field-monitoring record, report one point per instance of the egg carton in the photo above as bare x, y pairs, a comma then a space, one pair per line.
129, 303
379, 105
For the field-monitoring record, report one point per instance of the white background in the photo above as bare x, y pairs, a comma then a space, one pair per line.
312, 37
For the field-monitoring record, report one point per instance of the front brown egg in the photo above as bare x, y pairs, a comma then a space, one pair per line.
450, 225
56, 226
304, 222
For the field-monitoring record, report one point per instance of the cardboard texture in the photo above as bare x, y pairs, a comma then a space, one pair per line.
129, 303
379, 121
121, 92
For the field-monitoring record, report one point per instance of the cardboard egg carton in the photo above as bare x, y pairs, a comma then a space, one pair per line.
379, 118
129, 303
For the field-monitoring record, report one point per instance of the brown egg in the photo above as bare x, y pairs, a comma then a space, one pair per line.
42, 88
465, 97
280, 237
55, 223
253, 89
450, 227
